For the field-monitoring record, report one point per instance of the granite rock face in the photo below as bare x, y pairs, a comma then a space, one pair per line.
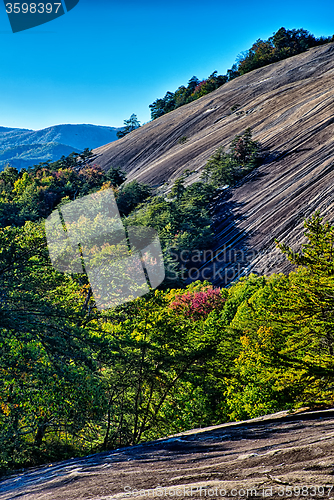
289, 106
275, 456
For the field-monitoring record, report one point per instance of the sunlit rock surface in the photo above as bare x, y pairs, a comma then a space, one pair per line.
289, 106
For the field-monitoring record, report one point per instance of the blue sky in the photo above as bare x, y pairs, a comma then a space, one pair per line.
105, 60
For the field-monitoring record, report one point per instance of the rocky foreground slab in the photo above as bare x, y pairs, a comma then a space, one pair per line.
276, 456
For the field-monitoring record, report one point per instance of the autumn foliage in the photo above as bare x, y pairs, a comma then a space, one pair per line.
198, 305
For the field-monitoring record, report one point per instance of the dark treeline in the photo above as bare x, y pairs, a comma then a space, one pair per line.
184, 95
284, 43
32, 194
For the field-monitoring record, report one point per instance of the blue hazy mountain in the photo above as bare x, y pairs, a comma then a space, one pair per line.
23, 147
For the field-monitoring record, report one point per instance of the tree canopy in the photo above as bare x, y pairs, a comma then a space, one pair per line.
129, 125
284, 43
76, 380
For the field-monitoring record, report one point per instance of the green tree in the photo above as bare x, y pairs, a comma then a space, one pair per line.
154, 360
227, 168
284, 43
129, 125
48, 389
287, 333
131, 195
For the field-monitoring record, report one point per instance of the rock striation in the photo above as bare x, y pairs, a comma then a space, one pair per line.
289, 106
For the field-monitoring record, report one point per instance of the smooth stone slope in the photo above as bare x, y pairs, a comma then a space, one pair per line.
270, 457
289, 106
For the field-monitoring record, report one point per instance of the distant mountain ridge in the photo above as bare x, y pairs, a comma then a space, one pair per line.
23, 147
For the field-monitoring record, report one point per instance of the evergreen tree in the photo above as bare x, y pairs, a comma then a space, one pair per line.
129, 125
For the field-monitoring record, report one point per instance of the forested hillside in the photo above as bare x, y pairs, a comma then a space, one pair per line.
283, 44
22, 148
289, 108
76, 380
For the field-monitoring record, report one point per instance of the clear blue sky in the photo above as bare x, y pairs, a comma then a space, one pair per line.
104, 60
